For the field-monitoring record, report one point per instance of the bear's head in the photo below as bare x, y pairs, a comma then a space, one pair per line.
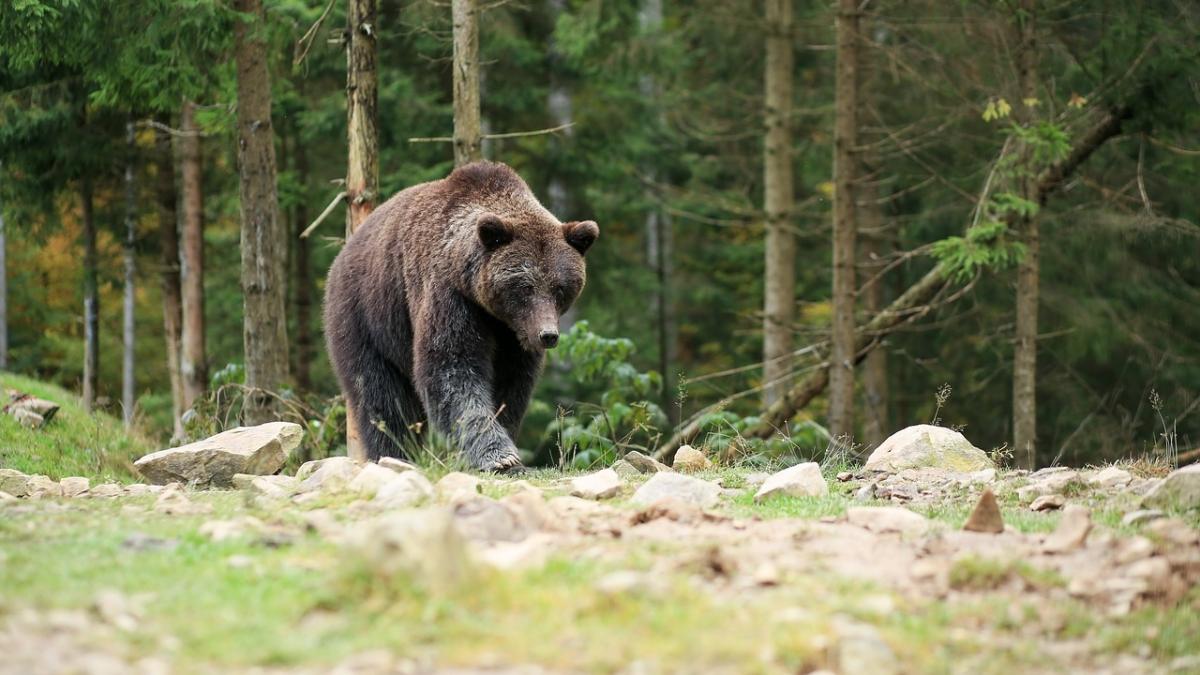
530, 272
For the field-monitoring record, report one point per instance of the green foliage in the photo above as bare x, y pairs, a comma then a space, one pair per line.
988, 245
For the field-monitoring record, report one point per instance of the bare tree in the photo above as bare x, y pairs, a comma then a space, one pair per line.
302, 279
168, 237
1025, 347
3, 288
193, 362
128, 377
264, 334
91, 297
845, 225
468, 132
362, 127
780, 264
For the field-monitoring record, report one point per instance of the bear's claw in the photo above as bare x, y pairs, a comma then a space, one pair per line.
509, 463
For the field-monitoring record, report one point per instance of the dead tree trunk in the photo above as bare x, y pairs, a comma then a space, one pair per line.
362, 96
780, 263
3, 287
171, 294
128, 377
468, 133
845, 225
873, 256
193, 362
264, 335
91, 297
912, 304
1025, 346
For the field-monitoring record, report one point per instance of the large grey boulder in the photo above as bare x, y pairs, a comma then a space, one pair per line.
686, 489
926, 446
1180, 489
212, 462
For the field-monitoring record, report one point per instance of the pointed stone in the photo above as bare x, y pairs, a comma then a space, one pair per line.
986, 516
1072, 530
645, 464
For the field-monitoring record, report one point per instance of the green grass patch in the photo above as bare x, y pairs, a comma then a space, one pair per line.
976, 573
784, 506
74, 443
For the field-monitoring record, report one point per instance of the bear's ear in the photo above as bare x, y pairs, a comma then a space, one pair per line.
581, 235
493, 232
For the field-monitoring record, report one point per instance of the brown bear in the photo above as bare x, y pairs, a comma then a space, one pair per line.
441, 306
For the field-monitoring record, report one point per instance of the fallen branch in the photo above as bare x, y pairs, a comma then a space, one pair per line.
324, 214
492, 137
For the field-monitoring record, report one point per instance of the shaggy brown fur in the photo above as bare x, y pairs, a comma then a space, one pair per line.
441, 305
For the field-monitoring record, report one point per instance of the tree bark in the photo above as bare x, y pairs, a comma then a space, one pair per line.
362, 96
468, 134
264, 335
168, 237
302, 281
780, 263
845, 225
193, 362
1025, 346
128, 344
3, 287
91, 297
876, 246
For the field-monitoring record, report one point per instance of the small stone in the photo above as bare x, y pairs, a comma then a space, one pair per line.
259, 450
690, 460
327, 475
600, 485
1054, 482
1142, 516
370, 479
1048, 503
173, 501
6, 498
117, 610
530, 506
139, 489
43, 486
687, 489
1180, 490
984, 476
397, 465
274, 487
927, 446
1111, 477
801, 480
481, 518
625, 470
1072, 530
28, 418
457, 485
756, 478
986, 516
236, 528
844, 476
1133, 549
422, 547
105, 490
407, 489
865, 493
887, 519
14, 483
645, 464
862, 651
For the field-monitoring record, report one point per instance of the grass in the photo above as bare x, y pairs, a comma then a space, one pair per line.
74, 443
977, 573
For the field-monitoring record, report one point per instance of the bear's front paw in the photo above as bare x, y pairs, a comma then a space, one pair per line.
505, 461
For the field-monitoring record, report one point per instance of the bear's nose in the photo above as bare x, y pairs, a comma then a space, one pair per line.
549, 338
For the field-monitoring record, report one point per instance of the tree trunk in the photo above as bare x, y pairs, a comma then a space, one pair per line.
91, 298
873, 257
362, 96
302, 281
1025, 347
193, 362
3, 288
468, 135
128, 377
845, 225
780, 263
264, 334
168, 229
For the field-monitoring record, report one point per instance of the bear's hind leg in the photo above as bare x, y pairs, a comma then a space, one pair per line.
386, 408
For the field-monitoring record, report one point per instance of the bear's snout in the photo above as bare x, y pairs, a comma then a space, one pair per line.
549, 338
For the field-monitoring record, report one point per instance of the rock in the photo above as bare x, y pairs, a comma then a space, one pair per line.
256, 450
6, 498
686, 489
422, 547
671, 509
14, 483
457, 485
1142, 516
927, 446
139, 489
117, 610
984, 476
74, 486
624, 469
600, 485
275, 487
887, 519
43, 486
986, 516
407, 489
106, 490
397, 465
28, 418
862, 651
1054, 482
1180, 490
174, 501
1111, 477
1048, 503
756, 478
801, 480
530, 506
1072, 530
371, 477
327, 475
237, 528
484, 519
844, 476
865, 493
690, 460
645, 464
